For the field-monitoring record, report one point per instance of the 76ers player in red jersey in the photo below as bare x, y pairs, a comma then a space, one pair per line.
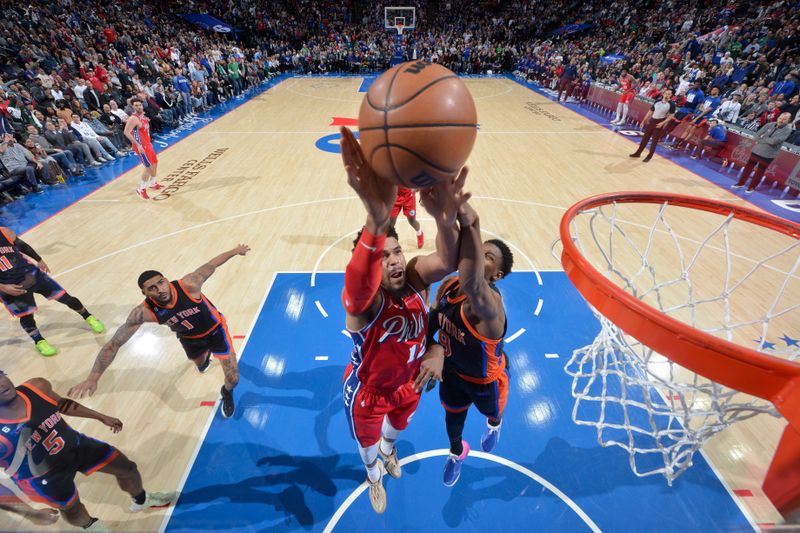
181, 306
137, 130
41, 453
386, 314
407, 202
626, 86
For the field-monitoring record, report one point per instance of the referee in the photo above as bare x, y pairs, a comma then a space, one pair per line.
660, 114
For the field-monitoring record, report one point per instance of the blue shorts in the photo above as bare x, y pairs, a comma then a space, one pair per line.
35, 281
57, 487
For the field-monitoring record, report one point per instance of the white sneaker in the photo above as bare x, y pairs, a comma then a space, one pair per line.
102, 159
390, 463
155, 499
377, 494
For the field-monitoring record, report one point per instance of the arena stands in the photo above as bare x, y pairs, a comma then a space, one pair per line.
89, 58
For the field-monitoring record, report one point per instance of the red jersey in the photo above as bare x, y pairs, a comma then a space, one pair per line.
388, 351
142, 132
626, 85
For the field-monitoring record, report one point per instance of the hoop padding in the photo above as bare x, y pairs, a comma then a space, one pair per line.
719, 360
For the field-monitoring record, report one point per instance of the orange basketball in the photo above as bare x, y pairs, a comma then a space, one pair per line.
417, 124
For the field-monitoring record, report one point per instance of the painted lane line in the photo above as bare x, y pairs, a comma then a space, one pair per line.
328, 249
238, 337
513, 337
538, 307
346, 333
321, 309
489, 457
211, 415
743, 493
551, 356
321, 358
208, 403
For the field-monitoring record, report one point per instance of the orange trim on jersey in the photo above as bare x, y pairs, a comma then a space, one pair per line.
474, 331
27, 411
492, 377
227, 339
197, 301
100, 465
42, 395
3, 231
150, 310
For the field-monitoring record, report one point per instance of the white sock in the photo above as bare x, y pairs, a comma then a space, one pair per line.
386, 447
624, 112
419, 232
374, 472
152, 181
142, 184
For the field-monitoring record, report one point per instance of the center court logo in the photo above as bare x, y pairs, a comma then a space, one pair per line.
330, 143
188, 170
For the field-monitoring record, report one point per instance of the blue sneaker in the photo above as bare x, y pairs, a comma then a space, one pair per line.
452, 468
490, 437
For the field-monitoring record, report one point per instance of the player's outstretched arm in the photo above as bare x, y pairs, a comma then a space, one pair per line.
41, 517
363, 273
109, 351
194, 281
484, 303
72, 408
442, 202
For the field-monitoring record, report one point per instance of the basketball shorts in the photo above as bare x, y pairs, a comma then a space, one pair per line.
407, 203
35, 281
365, 409
457, 394
218, 342
57, 487
626, 98
147, 156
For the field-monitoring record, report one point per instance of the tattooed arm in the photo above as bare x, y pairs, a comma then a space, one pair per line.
109, 351
194, 282
73, 408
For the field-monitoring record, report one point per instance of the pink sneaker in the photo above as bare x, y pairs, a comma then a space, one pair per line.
142, 194
157, 186
420, 240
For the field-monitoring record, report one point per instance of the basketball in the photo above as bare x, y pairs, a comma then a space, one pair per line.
417, 124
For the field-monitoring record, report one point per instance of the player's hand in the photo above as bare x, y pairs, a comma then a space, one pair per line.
84, 389
431, 367
42, 517
12, 289
378, 195
242, 249
43, 266
114, 423
444, 199
467, 215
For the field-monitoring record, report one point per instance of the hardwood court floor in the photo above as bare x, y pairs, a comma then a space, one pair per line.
255, 176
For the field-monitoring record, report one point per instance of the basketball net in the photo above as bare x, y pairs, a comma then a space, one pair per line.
658, 411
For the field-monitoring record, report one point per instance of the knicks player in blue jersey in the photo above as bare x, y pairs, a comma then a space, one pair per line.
469, 315
42, 454
21, 278
181, 306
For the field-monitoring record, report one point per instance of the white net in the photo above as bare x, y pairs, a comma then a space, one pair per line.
726, 277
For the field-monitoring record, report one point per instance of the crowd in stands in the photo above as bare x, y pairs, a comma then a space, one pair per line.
70, 67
